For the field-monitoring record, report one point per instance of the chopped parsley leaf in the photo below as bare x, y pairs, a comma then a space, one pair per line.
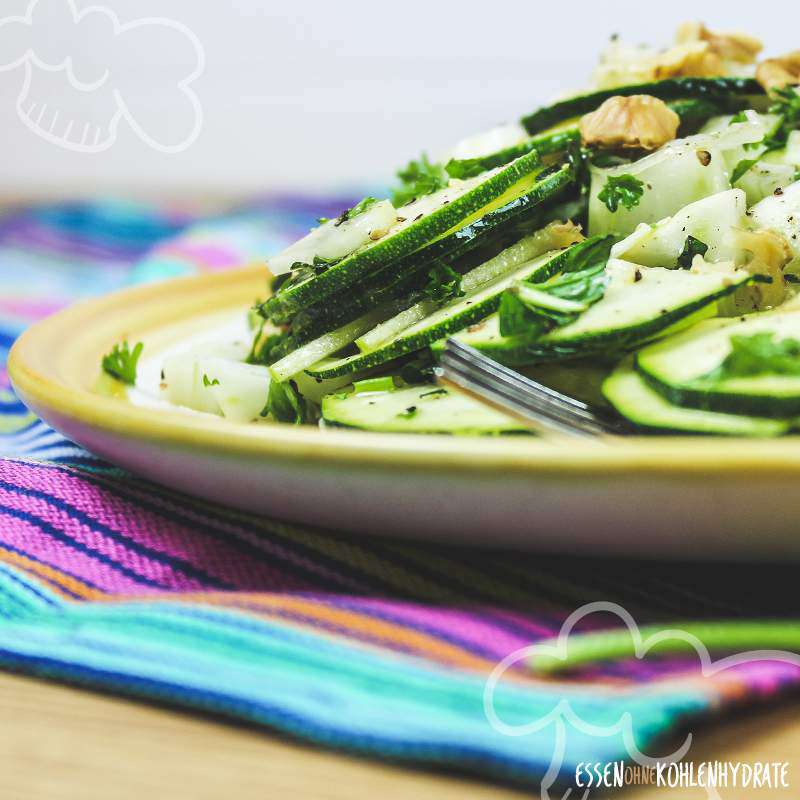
759, 354
207, 382
284, 403
121, 362
419, 178
534, 309
624, 190
358, 208
691, 247
444, 284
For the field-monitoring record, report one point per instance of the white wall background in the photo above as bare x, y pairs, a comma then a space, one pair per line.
328, 93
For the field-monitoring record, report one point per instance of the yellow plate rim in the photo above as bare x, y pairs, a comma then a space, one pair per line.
52, 363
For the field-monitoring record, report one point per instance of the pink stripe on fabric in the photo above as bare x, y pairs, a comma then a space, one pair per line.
149, 569
27, 537
219, 558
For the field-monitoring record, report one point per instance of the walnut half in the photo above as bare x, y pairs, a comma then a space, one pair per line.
738, 47
639, 121
776, 73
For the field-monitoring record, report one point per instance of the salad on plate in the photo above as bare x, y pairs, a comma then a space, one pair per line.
636, 245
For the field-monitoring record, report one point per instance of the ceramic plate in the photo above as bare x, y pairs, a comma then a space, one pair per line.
644, 496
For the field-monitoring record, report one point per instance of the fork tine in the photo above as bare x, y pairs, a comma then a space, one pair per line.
478, 361
531, 410
526, 399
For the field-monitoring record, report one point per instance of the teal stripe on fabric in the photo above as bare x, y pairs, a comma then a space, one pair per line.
318, 687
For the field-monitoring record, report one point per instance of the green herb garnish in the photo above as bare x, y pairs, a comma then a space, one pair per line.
742, 167
207, 382
121, 362
785, 103
535, 308
691, 247
624, 190
284, 403
433, 393
444, 284
759, 354
419, 178
358, 208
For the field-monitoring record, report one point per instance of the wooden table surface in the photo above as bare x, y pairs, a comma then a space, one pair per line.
60, 743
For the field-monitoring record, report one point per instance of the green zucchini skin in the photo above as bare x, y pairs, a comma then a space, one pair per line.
693, 111
364, 263
516, 351
588, 251
543, 145
712, 89
753, 396
707, 399
424, 408
634, 399
401, 280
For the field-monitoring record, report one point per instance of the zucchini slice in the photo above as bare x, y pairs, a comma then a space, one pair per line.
630, 395
682, 368
630, 313
692, 111
328, 343
417, 409
335, 238
465, 311
718, 90
420, 222
497, 229
543, 145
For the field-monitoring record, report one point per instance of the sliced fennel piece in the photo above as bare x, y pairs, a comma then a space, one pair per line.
781, 213
710, 220
767, 174
182, 382
549, 238
216, 385
239, 389
334, 239
763, 178
325, 345
679, 173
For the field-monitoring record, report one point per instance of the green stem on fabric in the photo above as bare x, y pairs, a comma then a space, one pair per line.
614, 645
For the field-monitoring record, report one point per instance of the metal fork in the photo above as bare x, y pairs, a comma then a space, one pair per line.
539, 407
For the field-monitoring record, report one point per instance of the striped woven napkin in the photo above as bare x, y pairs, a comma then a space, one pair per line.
368, 645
